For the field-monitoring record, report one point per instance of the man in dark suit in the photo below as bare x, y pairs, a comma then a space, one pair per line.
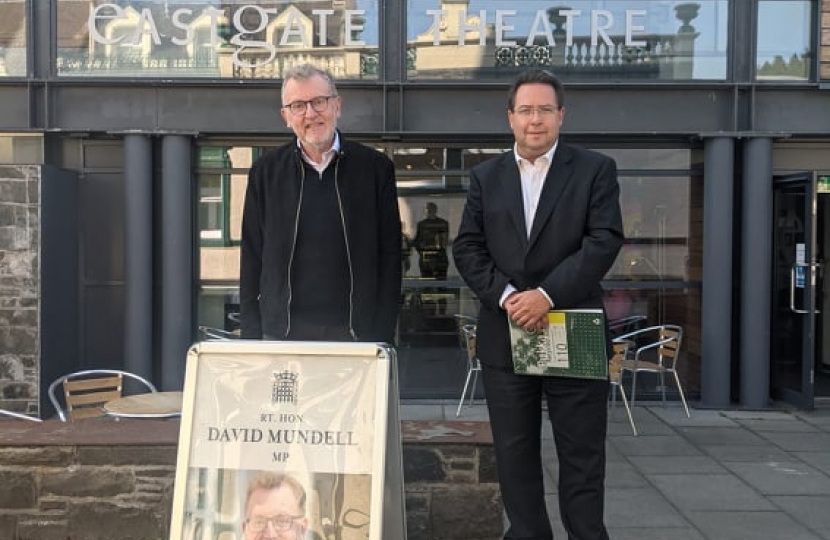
541, 227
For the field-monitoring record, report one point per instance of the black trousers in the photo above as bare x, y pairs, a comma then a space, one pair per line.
578, 413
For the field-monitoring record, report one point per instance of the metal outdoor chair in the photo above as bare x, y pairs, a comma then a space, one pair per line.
210, 333
473, 366
615, 378
86, 392
626, 324
655, 349
21, 416
460, 322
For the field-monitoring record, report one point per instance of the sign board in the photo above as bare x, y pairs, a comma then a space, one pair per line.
823, 183
318, 417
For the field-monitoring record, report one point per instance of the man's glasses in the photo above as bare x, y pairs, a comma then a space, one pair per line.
528, 112
280, 523
319, 104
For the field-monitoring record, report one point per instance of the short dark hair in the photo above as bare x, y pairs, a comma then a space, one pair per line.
540, 76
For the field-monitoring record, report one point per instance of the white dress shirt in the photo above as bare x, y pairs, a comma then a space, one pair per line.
533, 176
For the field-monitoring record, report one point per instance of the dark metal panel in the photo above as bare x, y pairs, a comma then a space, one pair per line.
59, 344
196, 109
14, 108
797, 111
91, 108
102, 326
101, 222
626, 110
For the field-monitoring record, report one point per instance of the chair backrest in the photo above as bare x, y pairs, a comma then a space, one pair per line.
615, 363
460, 322
626, 324
470, 341
663, 340
85, 392
671, 337
210, 333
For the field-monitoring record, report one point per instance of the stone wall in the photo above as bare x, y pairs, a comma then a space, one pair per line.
101, 479
20, 241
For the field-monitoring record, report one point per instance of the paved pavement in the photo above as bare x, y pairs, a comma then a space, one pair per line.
719, 475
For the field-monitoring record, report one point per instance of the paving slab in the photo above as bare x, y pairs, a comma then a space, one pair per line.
799, 442
655, 445
690, 492
782, 477
641, 508
721, 435
819, 460
750, 526
810, 511
741, 452
789, 425
677, 465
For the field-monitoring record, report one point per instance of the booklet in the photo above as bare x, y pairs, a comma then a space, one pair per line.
573, 345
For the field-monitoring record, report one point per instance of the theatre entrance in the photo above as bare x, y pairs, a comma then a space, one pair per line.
800, 329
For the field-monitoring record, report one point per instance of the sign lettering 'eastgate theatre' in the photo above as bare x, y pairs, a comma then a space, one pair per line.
504, 22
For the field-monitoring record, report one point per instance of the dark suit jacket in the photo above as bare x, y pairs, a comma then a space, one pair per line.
576, 235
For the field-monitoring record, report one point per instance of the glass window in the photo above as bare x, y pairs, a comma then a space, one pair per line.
783, 42
230, 39
21, 149
13, 38
657, 226
603, 40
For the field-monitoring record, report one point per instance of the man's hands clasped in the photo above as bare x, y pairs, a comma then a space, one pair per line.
528, 309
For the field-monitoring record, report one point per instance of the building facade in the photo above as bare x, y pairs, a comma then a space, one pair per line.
127, 128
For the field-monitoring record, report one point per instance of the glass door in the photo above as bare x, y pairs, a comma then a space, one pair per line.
796, 274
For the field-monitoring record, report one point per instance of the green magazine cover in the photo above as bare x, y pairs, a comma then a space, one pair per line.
573, 345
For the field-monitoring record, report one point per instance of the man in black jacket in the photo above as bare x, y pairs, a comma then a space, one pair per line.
321, 231
541, 227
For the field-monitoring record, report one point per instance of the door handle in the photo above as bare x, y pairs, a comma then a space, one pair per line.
813, 269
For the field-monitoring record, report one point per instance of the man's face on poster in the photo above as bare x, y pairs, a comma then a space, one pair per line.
274, 514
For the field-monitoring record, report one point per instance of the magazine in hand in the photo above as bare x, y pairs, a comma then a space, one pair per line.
573, 345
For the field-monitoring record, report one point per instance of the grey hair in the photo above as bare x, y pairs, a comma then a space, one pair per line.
304, 72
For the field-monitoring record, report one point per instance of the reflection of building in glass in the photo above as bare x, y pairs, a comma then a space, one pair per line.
230, 40
455, 43
12, 39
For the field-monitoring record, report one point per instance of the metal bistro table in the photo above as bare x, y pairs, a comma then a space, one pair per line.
149, 405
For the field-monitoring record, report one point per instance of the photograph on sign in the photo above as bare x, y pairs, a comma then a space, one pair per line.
230, 504
281, 438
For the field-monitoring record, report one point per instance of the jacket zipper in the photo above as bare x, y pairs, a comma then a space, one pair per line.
346, 240
294, 247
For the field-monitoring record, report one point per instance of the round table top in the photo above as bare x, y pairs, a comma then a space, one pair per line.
148, 405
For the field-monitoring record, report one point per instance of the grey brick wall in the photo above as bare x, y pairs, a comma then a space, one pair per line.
106, 490
20, 240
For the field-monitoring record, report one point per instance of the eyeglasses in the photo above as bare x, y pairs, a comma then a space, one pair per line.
528, 112
319, 104
280, 523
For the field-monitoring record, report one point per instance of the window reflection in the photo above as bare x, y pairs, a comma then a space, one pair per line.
783, 40
579, 39
13, 38
656, 277
230, 39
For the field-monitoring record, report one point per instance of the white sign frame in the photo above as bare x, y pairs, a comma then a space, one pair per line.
315, 410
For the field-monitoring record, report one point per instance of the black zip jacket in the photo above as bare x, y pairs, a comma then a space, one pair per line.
367, 197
